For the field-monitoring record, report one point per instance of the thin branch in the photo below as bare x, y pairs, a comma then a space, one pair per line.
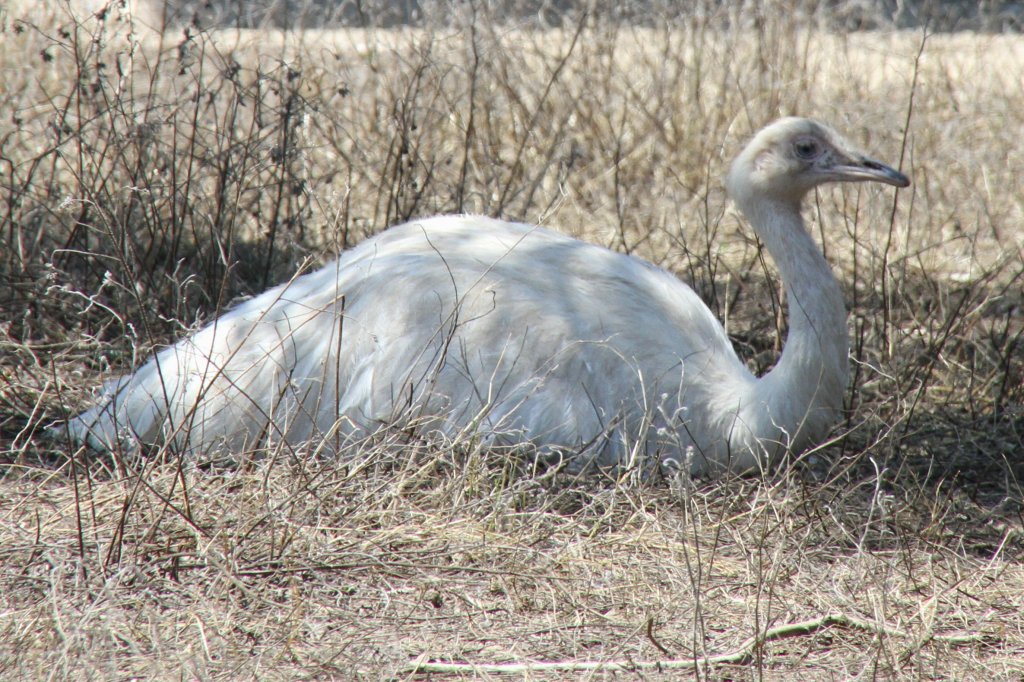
654, 641
740, 656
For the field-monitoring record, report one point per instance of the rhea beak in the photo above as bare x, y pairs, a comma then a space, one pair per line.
863, 169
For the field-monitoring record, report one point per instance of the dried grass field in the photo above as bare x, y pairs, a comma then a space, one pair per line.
148, 180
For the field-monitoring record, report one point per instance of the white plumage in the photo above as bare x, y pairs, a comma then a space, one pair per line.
518, 333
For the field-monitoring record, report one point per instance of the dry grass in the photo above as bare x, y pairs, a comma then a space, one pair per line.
148, 180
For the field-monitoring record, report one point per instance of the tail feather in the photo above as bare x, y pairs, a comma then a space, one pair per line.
127, 414
236, 387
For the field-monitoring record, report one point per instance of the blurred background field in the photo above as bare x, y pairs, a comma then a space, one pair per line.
154, 168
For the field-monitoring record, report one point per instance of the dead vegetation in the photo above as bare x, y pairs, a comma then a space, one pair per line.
148, 180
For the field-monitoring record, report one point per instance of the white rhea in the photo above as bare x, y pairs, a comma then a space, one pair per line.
461, 324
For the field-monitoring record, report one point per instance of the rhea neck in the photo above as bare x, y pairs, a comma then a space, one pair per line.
803, 392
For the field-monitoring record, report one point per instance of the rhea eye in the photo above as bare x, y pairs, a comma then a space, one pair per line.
805, 149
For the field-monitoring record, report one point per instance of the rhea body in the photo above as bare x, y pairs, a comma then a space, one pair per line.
464, 324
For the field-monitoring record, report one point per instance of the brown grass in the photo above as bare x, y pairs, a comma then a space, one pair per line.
148, 180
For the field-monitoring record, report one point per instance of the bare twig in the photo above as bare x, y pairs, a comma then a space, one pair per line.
740, 656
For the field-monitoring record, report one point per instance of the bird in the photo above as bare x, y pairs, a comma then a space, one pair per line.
470, 326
